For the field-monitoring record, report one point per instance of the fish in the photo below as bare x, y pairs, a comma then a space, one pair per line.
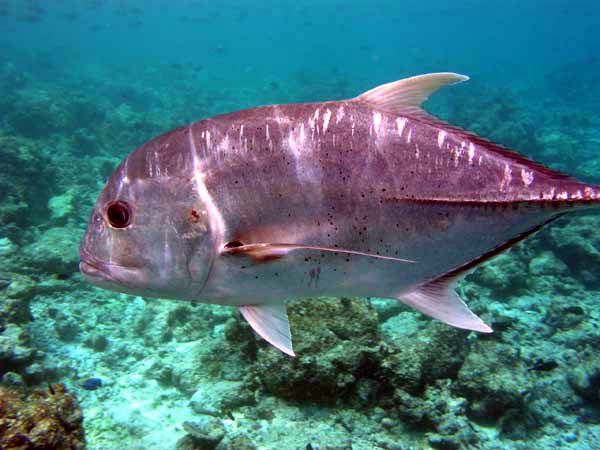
366, 197
91, 384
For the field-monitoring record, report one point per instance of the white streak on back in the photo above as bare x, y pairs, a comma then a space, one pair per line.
441, 137
527, 177
507, 178
339, 115
400, 123
471, 152
376, 122
326, 118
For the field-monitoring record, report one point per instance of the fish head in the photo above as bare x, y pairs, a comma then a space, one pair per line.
148, 235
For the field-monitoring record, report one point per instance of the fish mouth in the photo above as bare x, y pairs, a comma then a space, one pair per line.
109, 276
102, 276
95, 273
91, 270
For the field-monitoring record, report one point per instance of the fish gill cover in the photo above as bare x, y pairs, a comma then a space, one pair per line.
83, 83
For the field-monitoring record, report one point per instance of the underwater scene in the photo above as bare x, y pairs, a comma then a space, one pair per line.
379, 353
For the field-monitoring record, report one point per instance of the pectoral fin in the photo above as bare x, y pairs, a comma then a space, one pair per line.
265, 252
439, 300
271, 323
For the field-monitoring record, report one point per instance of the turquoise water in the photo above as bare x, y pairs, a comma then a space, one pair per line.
83, 83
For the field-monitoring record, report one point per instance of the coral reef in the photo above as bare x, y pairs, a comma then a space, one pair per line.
49, 419
332, 352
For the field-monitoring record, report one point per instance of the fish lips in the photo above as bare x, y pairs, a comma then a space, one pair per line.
101, 274
110, 276
97, 274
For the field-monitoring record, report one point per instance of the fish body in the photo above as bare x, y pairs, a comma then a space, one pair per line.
91, 384
363, 197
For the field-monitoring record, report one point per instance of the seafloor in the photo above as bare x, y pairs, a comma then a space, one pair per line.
369, 374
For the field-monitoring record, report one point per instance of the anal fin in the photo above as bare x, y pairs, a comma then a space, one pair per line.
438, 299
271, 323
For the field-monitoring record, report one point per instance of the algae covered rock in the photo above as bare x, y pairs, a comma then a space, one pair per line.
584, 375
205, 434
437, 353
16, 291
219, 397
336, 342
55, 251
503, 275
49, 420
62, 207
577, 243
16, 352
493, 379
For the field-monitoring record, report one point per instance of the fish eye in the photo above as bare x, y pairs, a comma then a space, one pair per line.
118, 214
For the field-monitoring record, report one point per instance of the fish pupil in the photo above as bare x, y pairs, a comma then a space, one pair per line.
118, 214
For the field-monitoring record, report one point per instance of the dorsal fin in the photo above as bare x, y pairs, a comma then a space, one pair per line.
408, 94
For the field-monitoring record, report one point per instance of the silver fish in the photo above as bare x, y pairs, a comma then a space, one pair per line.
363, 197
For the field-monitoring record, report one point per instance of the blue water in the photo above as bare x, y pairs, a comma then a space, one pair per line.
83, 83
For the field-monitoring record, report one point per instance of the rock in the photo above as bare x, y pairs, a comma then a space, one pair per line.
238, 442
66, 327
55, 251
12, 380
7, 247
14, 349
547, 273
217, 398
97, 342
62, 207
577, 246
438, 353
206, 433
20, 286
388, 422
585, 381
18, 291
493, 379
443, 442
503, 275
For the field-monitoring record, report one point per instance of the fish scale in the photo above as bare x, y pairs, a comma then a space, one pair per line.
363, 197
